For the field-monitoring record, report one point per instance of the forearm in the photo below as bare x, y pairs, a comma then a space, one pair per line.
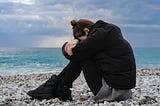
64, 52
73, 57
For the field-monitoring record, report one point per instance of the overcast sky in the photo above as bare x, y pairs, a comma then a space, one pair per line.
46, 23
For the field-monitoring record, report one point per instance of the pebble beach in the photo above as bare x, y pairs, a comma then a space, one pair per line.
13, 91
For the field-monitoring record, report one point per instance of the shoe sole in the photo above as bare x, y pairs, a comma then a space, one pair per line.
41, 96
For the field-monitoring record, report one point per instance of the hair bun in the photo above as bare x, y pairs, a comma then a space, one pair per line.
73, 23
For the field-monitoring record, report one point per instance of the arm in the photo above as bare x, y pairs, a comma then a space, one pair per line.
64, 51
89, 47
70, 45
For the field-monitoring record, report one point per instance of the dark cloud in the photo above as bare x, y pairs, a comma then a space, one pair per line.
30, 21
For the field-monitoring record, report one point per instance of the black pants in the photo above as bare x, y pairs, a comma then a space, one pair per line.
91, 74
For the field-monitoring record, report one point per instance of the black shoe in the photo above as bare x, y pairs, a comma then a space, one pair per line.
64, 93
45, 91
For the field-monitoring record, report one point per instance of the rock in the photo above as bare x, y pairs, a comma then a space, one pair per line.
13, 91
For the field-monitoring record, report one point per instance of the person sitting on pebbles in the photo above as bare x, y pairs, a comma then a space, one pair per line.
105, 57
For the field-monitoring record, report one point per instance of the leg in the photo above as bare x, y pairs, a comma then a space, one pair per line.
67, 76
92, 75
48, 90
70, 73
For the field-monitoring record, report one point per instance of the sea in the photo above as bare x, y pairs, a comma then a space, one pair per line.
19, 61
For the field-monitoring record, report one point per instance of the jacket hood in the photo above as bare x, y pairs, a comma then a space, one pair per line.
99, 24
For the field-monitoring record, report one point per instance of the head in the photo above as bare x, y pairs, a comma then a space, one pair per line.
81, 28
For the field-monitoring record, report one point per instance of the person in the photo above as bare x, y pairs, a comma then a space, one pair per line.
105, 57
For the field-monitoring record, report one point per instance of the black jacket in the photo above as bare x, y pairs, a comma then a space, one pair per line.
112, 53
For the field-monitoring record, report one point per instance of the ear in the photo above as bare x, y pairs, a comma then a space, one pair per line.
86, 30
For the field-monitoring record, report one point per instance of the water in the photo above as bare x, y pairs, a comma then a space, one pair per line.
147, 57
30, 60
38, 60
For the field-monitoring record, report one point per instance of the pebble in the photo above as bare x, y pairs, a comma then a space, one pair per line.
13, 91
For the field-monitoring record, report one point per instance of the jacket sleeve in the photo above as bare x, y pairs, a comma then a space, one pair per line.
63, 51
89, 47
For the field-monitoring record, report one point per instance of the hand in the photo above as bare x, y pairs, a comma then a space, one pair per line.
71, 44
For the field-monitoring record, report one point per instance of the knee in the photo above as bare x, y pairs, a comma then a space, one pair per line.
74, 63
87, 62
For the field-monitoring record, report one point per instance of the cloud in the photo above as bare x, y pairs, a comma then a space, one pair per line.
52, 41
143, 39
7, 17
26, 2
51, 18
143, 26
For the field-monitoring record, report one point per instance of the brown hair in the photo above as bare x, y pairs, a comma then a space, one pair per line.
79, 25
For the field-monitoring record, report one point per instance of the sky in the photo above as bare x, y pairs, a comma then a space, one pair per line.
46, 23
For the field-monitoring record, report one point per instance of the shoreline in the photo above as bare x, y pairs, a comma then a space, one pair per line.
13, 90
58, 71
